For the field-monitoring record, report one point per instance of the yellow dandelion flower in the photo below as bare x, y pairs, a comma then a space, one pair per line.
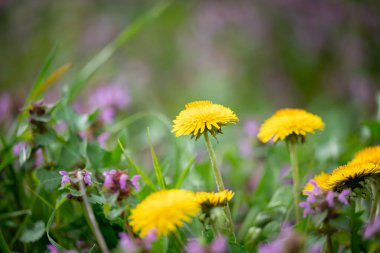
200, 116
164, 211
213, 199
368, 155
322, 181
286, 122
351, 175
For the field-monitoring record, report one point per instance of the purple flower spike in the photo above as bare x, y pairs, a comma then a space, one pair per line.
102, 138
123, 181
316, 189
150, 238
65, 177
17, 148
135, 182
108, 181
372, 228
107, 115
126, 244
194, 246
330, 199
52, 249
251, 128
307, 208
87, 178
219, 245
342, 197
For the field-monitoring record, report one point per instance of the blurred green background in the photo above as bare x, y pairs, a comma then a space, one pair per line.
253, 56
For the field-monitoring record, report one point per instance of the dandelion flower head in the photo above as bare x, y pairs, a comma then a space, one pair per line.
368, 155
165, 211
286, 122
201, 116
351, 175
213, 199
321, 180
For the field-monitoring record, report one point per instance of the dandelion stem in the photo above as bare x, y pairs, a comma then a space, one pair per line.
375, 200
93, 223
219, 181
292, 145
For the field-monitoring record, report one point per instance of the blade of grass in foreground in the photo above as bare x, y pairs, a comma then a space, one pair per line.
156, 164
144, 177
184, 173
99, 59
50, 221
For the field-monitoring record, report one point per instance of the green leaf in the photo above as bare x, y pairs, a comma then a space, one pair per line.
156, 164
50, 180
33, 233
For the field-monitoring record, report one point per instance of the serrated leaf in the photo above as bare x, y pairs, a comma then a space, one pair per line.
48, 179
33, 233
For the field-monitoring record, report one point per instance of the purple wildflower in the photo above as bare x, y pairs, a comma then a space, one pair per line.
18, 147
123, 181
194, 246
102, 138
307, 208
39, 158
111, 95
108, 181
118, 181
87, 177
107, 115
135, 182
330, 198
126, 244
251, 128
342, 197
52, 249
65, 177
288, 241
150, 237
5, 105
372, 228
60, 127
219, 245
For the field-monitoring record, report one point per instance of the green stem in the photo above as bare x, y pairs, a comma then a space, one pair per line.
375, 201
179, 240
93, 223
219, 181
292, 145
329, 245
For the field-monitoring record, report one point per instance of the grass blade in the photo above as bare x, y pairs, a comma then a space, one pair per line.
50, 221
105, 54
144, 177
184, 173
3, 244
156, 164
